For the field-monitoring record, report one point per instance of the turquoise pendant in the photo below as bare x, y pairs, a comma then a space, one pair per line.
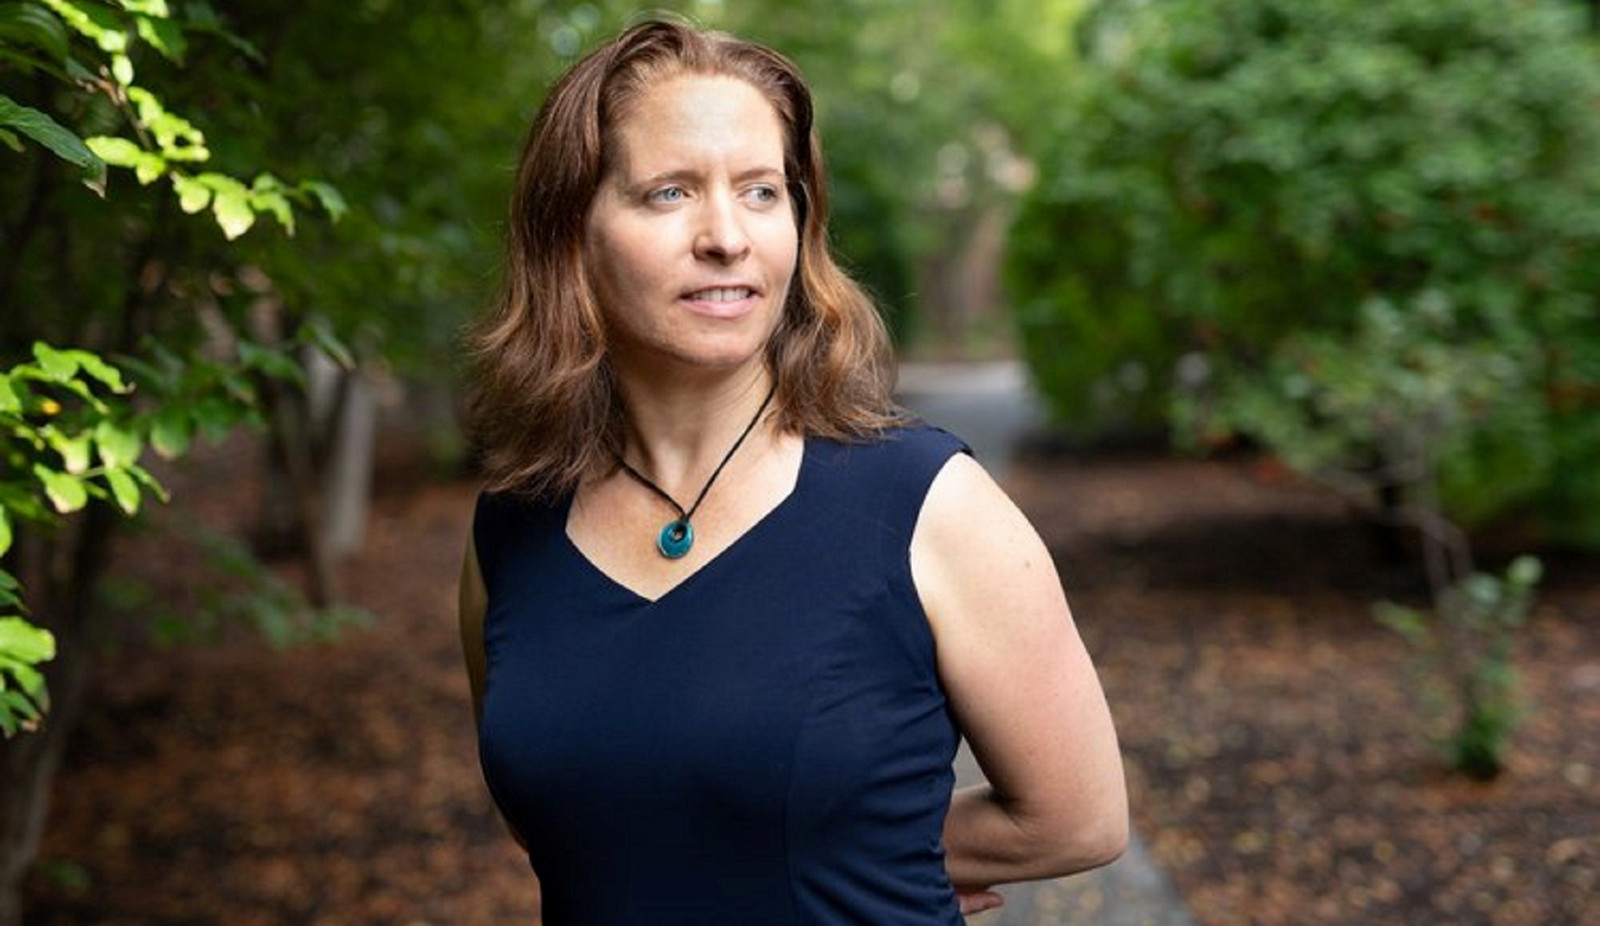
675, 539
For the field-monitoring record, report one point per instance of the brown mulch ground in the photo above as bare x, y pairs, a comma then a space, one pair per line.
1270, 728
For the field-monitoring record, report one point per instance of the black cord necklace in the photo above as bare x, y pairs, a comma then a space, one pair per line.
677, 537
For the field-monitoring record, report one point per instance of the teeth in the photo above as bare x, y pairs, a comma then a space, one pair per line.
726, 294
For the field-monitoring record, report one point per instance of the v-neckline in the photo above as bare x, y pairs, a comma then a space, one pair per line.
642, 600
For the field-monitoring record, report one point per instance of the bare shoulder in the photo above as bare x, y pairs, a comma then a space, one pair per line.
972, 544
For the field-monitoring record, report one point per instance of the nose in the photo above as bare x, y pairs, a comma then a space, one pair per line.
722, 237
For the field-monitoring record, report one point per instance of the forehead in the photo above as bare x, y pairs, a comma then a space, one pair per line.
697, 116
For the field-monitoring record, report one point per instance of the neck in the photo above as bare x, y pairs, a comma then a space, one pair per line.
680, 429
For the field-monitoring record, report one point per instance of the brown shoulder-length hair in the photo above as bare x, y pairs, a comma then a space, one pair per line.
545, 412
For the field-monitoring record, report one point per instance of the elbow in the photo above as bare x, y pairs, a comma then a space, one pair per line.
1089, 844
1087, 840
1107, 843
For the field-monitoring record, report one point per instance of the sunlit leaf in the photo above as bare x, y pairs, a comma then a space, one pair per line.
124, 489
98, 23
29, 679
277, 204
5, 531
59, 365
149, 168
10, 401
231, 204
73, 448
25, 642
118, 446
65, 491
96, 368
193, 196
116, 151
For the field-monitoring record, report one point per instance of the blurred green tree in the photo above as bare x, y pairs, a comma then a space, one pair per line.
1233, 176
73, 100
921, 107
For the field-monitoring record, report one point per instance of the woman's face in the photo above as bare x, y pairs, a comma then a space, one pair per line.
691, 240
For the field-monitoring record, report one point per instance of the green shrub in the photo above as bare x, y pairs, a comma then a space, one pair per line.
1235, 177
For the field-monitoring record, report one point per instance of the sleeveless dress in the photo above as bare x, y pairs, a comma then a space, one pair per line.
766, 743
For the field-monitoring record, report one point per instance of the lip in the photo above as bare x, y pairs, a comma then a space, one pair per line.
698, 302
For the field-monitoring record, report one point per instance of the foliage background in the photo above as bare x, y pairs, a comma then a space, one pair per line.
1211, 199
1233, 182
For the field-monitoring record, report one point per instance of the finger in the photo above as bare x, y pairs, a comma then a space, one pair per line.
979, 901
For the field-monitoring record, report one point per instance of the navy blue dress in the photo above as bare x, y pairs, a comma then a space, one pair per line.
768, 742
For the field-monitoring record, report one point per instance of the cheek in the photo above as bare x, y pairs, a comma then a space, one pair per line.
614, 269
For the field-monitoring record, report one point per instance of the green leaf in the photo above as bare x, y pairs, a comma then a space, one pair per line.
119, 447
65, 491
171, 431
74, 449
29, 679
8, 581
59, 365
124, 490
328, 196
149, 168
122, 69
215, 417
98, 369
10, 401
95, 22
31, 24
273, 363
164, 36
51, 134
317, 332
156, 8
12, 141
193, 195
275, 203
5, 531
231, 204
116, 151
24, 642
234, 214
143, 477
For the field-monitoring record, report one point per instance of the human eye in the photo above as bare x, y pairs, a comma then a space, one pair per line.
764, 194
666, 195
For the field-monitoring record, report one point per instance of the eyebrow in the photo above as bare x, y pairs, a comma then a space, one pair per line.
754, 173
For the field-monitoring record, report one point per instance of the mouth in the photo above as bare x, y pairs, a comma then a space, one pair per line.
721, 294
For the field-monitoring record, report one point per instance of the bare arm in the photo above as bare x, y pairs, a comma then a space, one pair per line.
1022, 688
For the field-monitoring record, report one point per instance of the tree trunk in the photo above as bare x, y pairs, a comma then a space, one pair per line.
292, 450
61, 572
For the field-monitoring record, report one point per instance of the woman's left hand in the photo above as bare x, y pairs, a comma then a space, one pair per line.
977, 900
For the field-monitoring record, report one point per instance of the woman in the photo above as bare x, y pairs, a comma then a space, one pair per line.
724, 609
